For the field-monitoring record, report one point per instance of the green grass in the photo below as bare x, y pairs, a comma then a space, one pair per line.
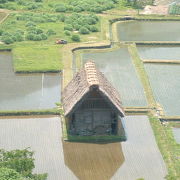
2, 16
54, 111
37, 58
169, 148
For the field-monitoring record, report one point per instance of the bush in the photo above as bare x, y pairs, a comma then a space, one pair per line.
75, 37
43, 36
1, 32
60, 8
93, 29
67, 33
3, 1
7, 39
84, 30
32, 6
61, 17
30, 24
50, 32
68, 27
38, 0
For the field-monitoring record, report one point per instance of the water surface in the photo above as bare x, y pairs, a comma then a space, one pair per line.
176, 132
26, 91
149, 31
138, 157
165, 82
159, 52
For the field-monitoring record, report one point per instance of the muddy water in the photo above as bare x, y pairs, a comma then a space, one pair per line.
26, 91
159, 52
176, 132
138, 157
118, 68
149, 31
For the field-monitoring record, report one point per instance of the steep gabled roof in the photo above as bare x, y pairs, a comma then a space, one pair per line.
81, 84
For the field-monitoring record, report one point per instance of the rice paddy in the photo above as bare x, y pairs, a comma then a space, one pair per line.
149, 31
118, 68
176, 132
164, 80
26, 91
159, 52
85, 161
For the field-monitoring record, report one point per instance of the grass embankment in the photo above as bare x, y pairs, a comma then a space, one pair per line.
168, 146
54, 111
142, 75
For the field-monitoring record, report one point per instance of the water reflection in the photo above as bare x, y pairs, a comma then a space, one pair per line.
21, 92
93, 161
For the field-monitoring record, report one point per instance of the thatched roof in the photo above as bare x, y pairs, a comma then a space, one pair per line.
81, 84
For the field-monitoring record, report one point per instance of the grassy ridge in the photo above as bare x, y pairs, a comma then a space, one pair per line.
168, 146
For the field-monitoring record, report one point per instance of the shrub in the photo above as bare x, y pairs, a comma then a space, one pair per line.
30, 36
93, 29
32, 6
30, 24
77, 9
43, 36
50, 32
3, 1
84, 30
75, 37
68, 27
61, 17
1, 32
38, 0
60, 8
7, 39
67, 33
18, 36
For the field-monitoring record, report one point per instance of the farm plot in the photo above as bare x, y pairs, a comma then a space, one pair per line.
149, 31
159, 52
164, 80
176, 132
118, 68
43, 136
26, 91
85, 161
142, 156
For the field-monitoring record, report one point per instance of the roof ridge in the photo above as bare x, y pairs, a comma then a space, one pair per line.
91, 73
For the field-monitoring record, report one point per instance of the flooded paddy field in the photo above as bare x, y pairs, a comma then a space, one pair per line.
119, 70
26, 91
159, 52
164, 80
138, 157
149, 31
176, 132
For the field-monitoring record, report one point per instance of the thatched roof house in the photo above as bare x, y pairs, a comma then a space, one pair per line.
88, 99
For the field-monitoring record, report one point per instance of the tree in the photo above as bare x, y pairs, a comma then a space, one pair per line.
9, 174
75, 37
84, 30
21, 161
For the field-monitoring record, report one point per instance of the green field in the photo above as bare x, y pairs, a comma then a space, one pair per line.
37, 58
